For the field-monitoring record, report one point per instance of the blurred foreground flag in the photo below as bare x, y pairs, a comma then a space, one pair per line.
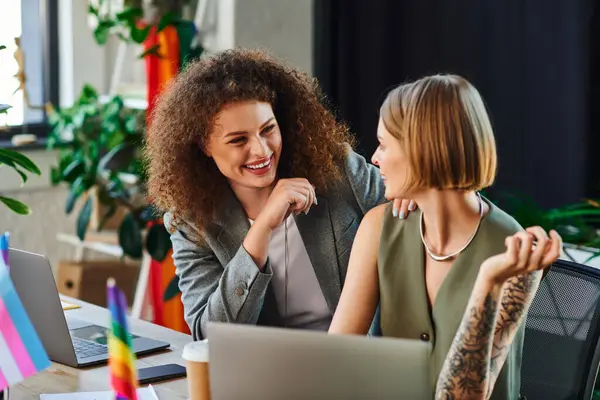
21, 352
123, 373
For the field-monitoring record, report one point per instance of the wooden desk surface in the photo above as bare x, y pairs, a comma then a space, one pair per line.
63, 379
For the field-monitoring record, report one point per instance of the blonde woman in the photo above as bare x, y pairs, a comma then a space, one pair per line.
459, 273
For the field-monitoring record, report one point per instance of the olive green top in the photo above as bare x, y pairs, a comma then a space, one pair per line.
405, 309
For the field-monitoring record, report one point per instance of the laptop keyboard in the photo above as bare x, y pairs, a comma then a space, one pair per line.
84, 348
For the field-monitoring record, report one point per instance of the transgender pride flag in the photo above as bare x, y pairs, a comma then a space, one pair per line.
21, 352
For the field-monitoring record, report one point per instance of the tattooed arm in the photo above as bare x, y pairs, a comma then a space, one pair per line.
466, 368
481, 344
517, 295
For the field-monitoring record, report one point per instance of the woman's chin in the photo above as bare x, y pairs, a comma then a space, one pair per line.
261, 181
389, 194
254, 182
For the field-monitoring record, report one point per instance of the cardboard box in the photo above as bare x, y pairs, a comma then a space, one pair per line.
86, 280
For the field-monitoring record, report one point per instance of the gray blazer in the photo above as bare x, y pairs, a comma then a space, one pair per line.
219, 280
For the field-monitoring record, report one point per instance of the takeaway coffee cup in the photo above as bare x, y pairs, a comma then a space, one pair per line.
195, 355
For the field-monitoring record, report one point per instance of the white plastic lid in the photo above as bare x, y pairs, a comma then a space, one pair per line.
196, 351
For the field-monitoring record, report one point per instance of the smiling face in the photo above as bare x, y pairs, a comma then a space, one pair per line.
245, 144
392, 162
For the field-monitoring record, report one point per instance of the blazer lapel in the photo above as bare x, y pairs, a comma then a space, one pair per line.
233, 223
317, 234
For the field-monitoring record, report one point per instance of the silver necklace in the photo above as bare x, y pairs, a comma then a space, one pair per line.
450, 256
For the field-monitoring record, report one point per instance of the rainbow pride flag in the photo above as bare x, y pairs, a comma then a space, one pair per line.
175, 50
21, 351
123, 374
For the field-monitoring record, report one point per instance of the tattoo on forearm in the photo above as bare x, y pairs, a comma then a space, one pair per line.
513, 307
483, 340
513, 303
464, 374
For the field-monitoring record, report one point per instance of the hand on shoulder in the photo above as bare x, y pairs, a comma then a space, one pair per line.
402, 207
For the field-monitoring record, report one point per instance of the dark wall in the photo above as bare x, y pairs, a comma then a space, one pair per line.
529, 59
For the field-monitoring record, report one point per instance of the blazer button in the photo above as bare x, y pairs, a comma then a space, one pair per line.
425, 337
239, 291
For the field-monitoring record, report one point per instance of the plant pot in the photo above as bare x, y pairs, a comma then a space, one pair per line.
98, 212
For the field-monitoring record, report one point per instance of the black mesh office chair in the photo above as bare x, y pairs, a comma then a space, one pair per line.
561, 351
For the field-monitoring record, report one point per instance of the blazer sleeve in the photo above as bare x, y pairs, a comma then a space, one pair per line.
365, 180
211, 292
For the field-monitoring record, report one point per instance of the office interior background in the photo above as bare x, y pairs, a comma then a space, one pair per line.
536, 64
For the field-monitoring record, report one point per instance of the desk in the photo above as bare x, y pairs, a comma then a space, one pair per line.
60, 378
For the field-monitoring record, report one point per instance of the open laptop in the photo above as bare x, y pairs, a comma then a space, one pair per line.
67, 340
250, 362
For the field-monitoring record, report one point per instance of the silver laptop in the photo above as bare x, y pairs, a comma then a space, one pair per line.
67, 340
249, 362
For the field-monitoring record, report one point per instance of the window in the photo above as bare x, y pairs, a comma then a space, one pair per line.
28, 29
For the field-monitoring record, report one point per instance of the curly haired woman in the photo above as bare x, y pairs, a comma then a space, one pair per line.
240, 149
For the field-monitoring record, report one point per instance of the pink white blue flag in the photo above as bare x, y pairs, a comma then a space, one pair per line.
21, 351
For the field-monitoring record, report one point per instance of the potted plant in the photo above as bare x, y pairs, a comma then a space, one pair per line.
139, 22
100, 160
21, 165
576, 223
18, 163
132, 20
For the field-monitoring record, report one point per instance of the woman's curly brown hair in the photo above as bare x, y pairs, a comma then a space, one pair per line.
183, 180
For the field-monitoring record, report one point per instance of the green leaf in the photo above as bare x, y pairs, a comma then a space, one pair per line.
130, 14
558, 214
151, 51
77, 189
166, 20
114, 107
16, 205
22, 174
83, 220
102, 165
172, 289
593, 256
130, 236
93, 10
73, 170
2, 47
55, 176
54, 118
88, 93
101, 33
51, 142
139, 35
20, 160
7, 161
158, 242
11, 164
130, 124
4, 108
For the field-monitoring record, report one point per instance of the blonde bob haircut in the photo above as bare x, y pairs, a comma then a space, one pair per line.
445, 131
